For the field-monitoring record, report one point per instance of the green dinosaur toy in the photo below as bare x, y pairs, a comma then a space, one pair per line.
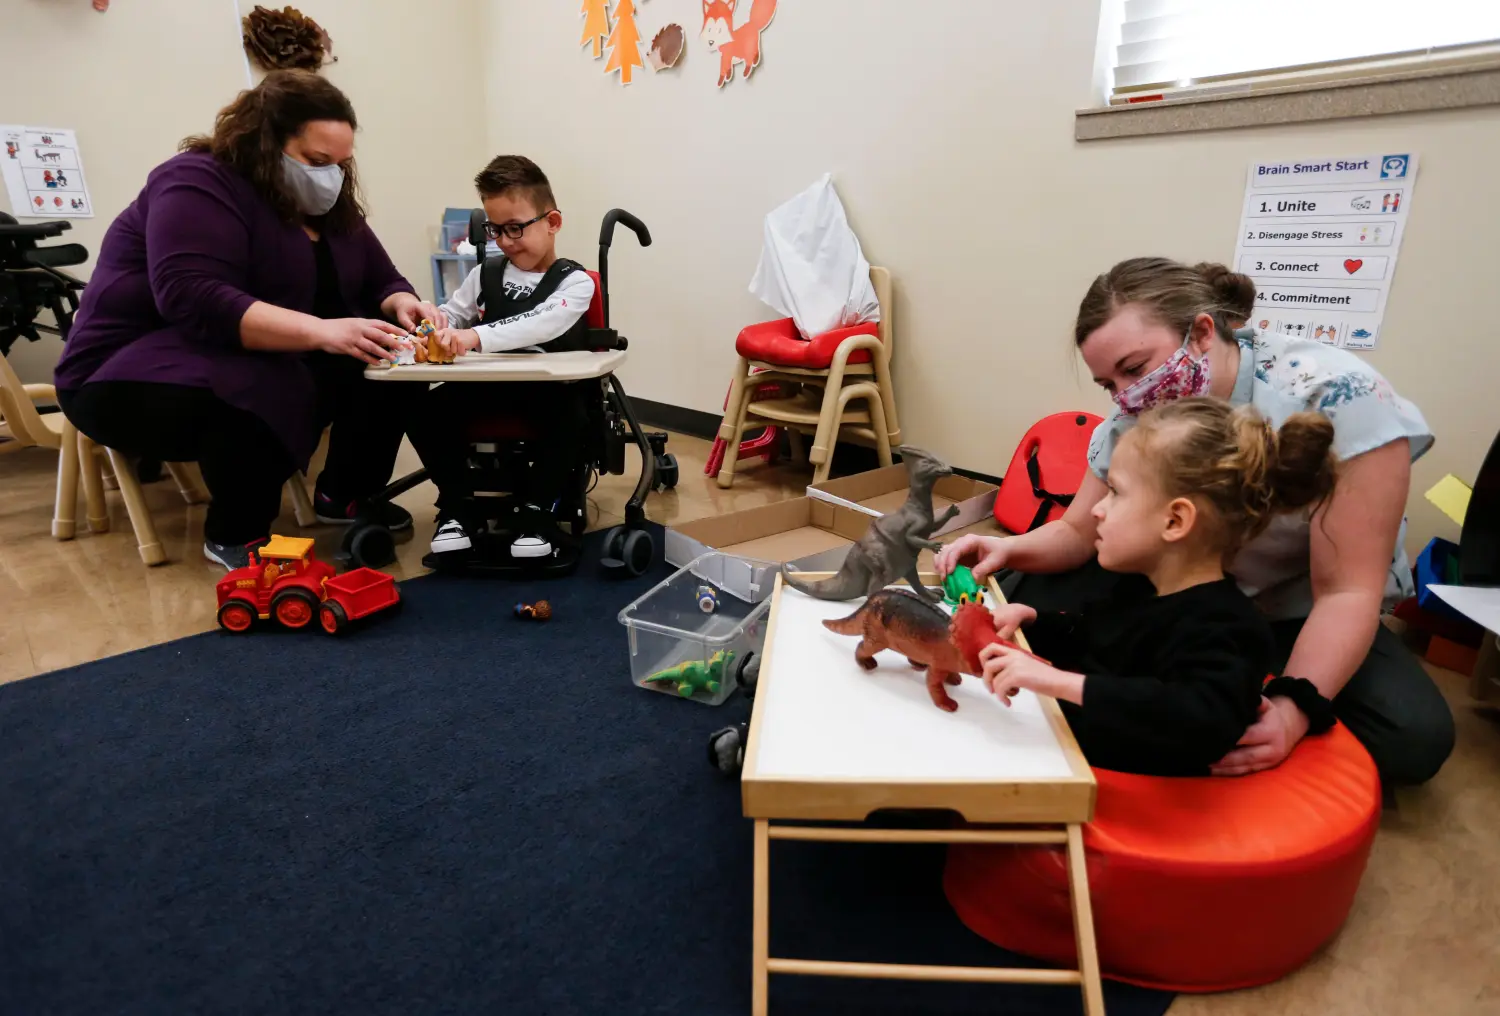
960, 588
695, 675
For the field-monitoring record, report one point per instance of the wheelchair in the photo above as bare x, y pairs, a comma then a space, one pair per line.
32, 280
499, 450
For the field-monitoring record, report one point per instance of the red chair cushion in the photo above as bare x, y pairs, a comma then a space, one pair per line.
596, 305
777, 342
1197, 884
1060, 443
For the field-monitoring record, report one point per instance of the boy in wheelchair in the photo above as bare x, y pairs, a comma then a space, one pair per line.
531, 300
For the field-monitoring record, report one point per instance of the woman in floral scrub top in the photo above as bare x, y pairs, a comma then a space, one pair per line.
1152, 330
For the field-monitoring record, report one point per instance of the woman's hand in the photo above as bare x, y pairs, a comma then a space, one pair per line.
409, 312
1268, 741
1007, 670
987, 551
362, 338
1010, 616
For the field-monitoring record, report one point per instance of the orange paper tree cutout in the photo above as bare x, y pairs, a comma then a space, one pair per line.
624, 42
595, 25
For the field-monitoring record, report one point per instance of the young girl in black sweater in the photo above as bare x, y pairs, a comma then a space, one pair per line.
1165, 676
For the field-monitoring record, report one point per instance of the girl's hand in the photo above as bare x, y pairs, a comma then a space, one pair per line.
409, 312
988, 551
1010, 616
458, 341
1008, 670
362, 338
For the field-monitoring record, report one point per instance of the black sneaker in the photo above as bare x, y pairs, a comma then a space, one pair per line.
530, 542
392, 516
451, 535
230, 555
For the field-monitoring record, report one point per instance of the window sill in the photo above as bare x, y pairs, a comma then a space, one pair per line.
1370, 95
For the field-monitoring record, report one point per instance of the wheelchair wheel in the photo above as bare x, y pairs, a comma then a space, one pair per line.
666, 471
747, 673
370, 545
637, 552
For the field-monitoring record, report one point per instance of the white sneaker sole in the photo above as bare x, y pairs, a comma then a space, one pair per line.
448, 543
530, 550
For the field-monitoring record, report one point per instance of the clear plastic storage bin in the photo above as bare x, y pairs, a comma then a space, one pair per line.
695, 634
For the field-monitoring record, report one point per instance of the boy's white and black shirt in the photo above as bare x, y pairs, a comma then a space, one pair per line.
532, 329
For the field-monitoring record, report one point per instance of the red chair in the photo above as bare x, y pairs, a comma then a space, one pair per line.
1045, 472
827, 372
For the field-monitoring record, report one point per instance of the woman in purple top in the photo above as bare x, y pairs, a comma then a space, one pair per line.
233, 308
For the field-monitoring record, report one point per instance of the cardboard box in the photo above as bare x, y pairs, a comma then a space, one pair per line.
811, 534
883, 490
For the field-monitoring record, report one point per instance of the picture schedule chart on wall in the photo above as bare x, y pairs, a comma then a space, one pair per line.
44, 173
1320, 239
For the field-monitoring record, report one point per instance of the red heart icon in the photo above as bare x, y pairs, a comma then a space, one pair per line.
1353, 265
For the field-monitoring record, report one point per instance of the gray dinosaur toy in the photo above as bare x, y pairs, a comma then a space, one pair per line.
888, 550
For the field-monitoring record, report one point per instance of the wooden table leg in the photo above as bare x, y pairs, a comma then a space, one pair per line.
65, 510
760, 937
1083, 924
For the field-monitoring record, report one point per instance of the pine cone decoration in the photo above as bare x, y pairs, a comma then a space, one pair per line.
285, 39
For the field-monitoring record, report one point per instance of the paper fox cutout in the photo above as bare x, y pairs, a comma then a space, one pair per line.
735, 44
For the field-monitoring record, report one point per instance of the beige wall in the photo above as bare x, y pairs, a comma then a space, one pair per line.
133, 87
950, 139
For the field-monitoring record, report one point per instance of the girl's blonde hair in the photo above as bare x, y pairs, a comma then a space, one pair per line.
1230, 461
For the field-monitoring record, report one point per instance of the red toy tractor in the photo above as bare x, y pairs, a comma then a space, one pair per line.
284, 580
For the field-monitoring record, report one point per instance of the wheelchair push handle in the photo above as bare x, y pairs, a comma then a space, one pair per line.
11, 229
606, 236
630, 222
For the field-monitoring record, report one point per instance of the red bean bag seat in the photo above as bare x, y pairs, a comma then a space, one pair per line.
1197, 884
778, 342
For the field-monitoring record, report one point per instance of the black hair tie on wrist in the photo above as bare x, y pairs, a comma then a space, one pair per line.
1306, 697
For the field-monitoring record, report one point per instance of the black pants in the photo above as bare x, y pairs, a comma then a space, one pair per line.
556, 413
244, 464
1390, 703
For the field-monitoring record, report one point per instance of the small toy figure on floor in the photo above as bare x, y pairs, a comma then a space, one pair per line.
890, 547
541, 610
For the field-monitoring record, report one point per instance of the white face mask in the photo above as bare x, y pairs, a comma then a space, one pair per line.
316, 189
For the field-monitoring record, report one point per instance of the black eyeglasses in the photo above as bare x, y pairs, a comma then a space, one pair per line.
511, 230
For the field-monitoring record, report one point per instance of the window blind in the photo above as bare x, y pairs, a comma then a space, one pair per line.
1169, 48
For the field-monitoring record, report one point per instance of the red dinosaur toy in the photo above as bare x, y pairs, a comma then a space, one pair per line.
945, 647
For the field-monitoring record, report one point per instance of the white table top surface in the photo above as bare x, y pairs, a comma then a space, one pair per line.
823, 717
570, 366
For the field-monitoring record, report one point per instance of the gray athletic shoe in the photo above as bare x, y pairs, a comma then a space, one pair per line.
230, 555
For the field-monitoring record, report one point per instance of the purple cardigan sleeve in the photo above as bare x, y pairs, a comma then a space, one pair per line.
198, 251
382, 280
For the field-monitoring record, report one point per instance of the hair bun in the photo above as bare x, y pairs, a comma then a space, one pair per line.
1304, 469
1236, 292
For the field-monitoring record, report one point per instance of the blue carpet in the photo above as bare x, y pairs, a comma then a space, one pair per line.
451, 811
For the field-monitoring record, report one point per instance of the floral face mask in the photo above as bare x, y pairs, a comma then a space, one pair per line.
1180, 377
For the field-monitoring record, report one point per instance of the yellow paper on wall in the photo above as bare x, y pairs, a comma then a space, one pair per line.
1451, 495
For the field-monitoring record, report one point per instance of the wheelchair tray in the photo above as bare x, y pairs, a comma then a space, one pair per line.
571, 366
